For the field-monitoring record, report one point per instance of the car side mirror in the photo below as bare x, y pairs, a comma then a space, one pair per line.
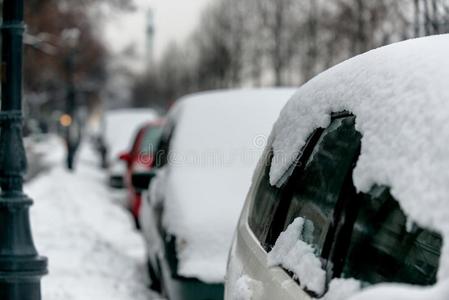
125, 156
141, 181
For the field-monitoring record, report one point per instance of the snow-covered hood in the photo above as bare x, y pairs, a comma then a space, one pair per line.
400, 97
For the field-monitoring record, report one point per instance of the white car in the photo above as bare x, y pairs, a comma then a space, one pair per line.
351, 198
208, 151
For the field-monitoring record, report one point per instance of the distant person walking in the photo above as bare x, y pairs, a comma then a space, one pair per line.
72, 139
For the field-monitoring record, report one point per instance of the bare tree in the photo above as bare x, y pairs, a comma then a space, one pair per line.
430, 17
281, 23
286, 42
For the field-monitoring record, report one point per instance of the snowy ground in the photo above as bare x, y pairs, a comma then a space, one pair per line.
93, 250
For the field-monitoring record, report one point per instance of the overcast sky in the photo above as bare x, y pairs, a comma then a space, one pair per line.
174, 21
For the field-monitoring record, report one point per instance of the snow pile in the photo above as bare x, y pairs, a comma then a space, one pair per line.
342, 289
157, 188
242, 289
234, 284
404, 292
117, 168
120, 126
93, 250
291, 252
399, 95
48, 147
218, 140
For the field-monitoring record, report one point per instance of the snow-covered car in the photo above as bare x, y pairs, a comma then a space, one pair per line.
140, 159
209, 148
118, 128
350, 199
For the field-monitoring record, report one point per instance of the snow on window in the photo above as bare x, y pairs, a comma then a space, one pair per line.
399, 95
342, 289
388, 291
291, 252
157, 188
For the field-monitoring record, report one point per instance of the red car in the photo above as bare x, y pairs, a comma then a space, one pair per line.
140, 160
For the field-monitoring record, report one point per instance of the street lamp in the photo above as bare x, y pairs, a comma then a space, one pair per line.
21, 267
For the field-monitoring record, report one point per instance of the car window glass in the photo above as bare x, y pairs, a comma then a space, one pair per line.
384, 248
164, 146
266, 201
362, 236
313, 193
150, 140
267, 197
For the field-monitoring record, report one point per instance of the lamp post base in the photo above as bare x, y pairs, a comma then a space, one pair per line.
20, 289
21, 268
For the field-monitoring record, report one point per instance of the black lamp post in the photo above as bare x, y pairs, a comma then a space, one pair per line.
21, 268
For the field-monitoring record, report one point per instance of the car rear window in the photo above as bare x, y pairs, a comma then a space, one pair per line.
356, 235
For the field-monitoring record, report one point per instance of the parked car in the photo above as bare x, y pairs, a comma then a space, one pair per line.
117, 129
208, 150
350, 199
140, 159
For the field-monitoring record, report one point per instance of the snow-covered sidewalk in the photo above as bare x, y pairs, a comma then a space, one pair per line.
94, 251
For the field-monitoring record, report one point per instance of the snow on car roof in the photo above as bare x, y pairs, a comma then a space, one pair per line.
400, 97
120, 125
218, 140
